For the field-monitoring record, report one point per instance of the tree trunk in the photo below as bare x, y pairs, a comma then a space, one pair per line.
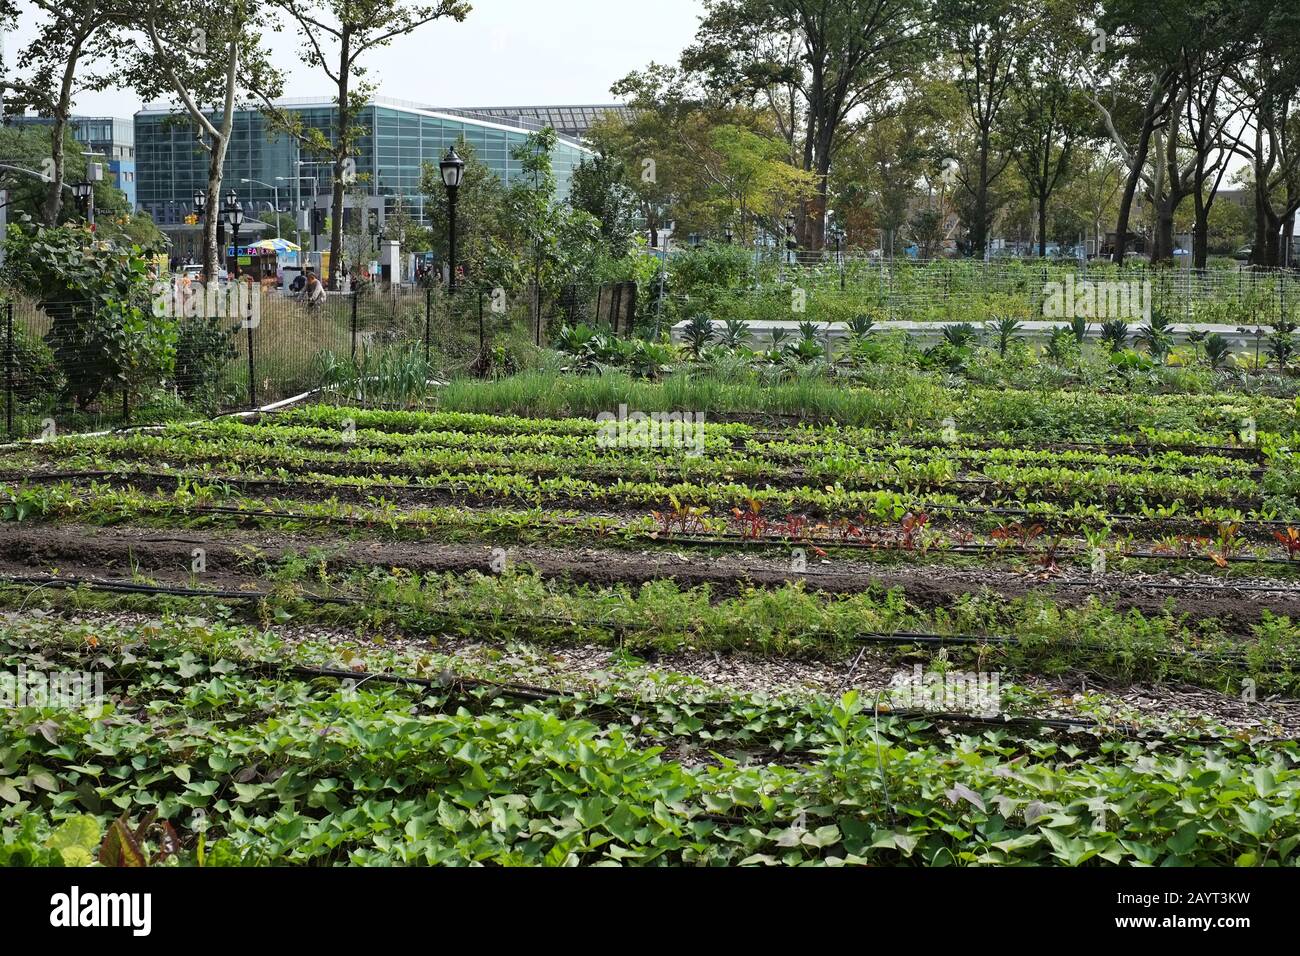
1201, 233
340, 161
54, 195
1130, 189
213, 267
980, 232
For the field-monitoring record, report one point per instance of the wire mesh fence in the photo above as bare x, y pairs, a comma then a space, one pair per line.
78, 366
836, 287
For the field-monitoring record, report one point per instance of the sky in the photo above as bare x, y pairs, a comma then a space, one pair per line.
505, 53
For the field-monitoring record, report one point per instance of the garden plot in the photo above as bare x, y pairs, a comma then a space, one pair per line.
368, 636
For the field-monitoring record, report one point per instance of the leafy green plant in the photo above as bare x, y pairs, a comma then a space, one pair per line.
1005, 329
106, 331
1217, 350
204, 347
697, 334
1114, 334
735, 334
960, 335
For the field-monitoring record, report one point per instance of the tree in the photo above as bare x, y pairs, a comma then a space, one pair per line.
204, 57
481, 207
814, 64
73, 35
699, 161
27, 147
1047, 113
1269, 80
599, 187
987, 39
876, 172
550, 239
1176, 46
339, 33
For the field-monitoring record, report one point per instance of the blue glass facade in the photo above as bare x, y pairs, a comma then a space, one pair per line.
111, 140
398, 141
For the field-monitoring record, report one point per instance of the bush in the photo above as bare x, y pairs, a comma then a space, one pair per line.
106, 331
203, 349
36, 371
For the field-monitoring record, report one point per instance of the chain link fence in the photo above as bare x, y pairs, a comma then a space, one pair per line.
71, 366
956, 290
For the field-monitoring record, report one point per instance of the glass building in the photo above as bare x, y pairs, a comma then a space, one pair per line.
570, 120
105, 139
268, 169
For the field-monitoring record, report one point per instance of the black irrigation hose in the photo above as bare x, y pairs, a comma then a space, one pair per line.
896, 638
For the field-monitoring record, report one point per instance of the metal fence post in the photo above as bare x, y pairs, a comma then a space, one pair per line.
354, 325
428, 320
252, 369
9, 368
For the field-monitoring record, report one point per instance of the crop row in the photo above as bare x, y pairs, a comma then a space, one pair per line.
827, 485
917, 431
1029, 634
753, 454
891, 527
291, 771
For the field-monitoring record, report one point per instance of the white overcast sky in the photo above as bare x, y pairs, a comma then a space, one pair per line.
505, 53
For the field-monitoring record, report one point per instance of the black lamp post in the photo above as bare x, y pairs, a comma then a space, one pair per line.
200, 212
234, 214
85, 193
727, 234
453, 169
837, 231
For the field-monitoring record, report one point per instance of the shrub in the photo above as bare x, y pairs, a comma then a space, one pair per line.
97, 292
203, 349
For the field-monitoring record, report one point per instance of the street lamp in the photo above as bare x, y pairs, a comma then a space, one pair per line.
837, 232
453, 170
200, 214
85, 193
727, 234
234, 214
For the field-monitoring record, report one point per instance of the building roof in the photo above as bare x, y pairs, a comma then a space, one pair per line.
501, 122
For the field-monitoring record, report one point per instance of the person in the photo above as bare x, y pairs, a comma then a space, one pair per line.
315, 291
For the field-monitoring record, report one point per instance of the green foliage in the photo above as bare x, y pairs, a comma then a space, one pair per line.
105, 333
1114, 334
204, 347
